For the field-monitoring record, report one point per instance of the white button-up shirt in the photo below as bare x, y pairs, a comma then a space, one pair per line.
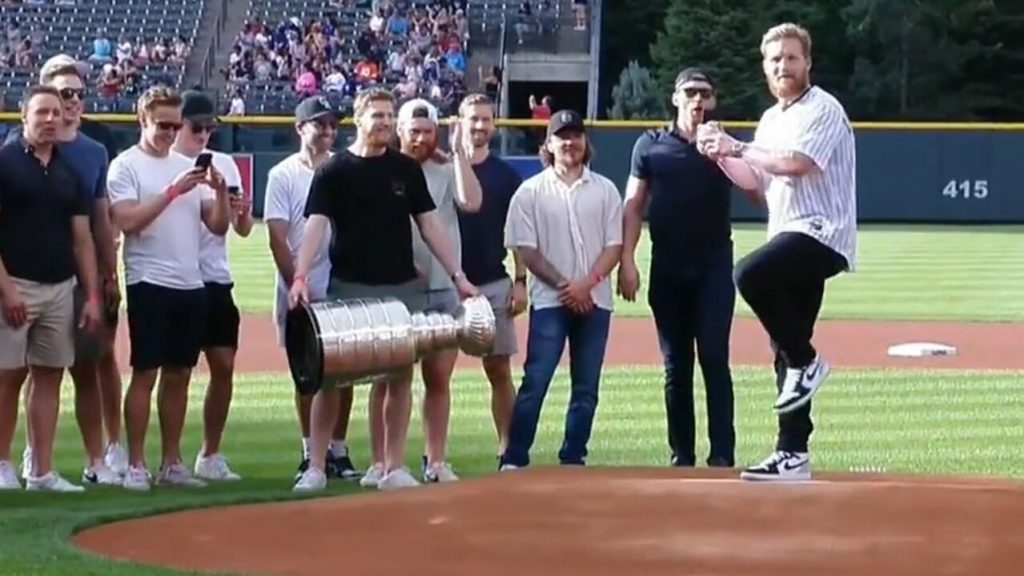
570, 225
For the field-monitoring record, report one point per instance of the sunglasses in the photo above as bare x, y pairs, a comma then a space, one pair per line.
68, 93
199, 128
691, 92
173, 126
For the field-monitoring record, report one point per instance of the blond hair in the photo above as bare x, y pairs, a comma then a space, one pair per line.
48, 75
364, 99
475, 99
787, 30
156, 96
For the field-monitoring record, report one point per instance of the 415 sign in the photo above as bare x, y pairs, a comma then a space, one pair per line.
977, 189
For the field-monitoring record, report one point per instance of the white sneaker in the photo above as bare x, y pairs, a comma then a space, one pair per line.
439, 472
26, 463
214, 467
397, 479
312, 480
51, 482
372, 477
800, 385
136, 479
8, 477
508, 468
781, 467
116, 458
100, 474
178, 475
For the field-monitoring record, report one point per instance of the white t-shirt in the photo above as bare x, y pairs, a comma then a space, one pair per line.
165, 253
287, 189
443, 189
213, 251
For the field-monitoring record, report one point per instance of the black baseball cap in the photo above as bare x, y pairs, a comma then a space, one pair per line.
565, 120
313, 108
693, 75
197, 107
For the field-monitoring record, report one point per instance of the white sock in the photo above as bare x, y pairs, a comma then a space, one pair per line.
305, 448
338, 448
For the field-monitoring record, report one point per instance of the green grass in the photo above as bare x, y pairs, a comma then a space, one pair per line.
942, 422
904, 273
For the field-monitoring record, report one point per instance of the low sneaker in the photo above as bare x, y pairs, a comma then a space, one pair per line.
341, 467
312, 480
136, 478
781, 466
800, 385
397, 479
214, 467
100, 475
439, 472
26, 463
8, 477
303, 466
178, 475
51, 482
116, 458
372, 476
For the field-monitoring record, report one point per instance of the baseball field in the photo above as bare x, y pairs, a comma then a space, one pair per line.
881, 422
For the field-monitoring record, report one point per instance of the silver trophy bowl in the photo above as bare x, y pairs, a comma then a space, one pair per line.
362, 340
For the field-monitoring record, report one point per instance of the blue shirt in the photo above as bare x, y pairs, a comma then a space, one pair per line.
483, 232
690, 199
87, 157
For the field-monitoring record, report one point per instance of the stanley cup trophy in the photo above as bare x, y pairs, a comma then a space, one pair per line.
358, 341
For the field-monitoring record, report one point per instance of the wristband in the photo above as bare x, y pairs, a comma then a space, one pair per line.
298, 278
94, 298
171, 192
595, 277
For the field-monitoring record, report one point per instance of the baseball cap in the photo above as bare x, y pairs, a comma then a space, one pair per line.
197, 106
63, 61
417, 108
565, 119
693, 75
313, 108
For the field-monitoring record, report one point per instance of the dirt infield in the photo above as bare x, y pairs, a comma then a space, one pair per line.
633, 341
603, 521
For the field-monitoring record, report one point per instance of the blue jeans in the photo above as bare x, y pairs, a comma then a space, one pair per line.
692, 303
549, 330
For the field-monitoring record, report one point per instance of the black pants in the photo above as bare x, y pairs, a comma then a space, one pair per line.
783, 282
694, 304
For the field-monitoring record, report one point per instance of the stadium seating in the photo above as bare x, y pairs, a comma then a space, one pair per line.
351, 18
71, 29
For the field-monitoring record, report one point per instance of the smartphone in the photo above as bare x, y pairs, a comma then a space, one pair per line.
204, 160
235, 191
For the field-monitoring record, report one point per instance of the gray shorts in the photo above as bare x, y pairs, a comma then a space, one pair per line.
497, 293
409, 293
445, 301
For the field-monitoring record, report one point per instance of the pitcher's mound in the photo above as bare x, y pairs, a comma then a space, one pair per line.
596, 521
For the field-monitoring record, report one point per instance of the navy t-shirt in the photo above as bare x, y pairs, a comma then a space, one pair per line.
87, 157
483, 232
690, 197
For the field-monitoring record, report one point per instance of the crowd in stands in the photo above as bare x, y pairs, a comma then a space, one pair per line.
119, 73
414, 50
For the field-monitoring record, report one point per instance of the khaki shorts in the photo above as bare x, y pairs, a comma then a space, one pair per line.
497, 293
47, 339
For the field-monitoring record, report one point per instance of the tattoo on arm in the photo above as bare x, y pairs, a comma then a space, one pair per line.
540, 267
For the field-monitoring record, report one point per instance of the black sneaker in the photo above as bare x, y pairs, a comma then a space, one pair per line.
342, 467
303, 466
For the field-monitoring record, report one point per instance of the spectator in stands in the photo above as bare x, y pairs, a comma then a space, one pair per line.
398, 24
180, 50
125, 50
102, 51
109, 81
335, 81
579, 8
305, 84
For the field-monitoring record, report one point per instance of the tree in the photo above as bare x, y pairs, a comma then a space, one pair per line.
636, 96
619, 42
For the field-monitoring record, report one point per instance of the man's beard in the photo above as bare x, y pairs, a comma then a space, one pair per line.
421, 153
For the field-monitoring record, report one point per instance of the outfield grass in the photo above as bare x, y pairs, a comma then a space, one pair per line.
904, 272
967, 422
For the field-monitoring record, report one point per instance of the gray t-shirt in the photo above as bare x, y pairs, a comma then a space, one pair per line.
442, 185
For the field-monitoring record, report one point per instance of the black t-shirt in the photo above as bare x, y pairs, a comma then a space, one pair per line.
37, 205
370, 202
690, 197
99, 132
483, 232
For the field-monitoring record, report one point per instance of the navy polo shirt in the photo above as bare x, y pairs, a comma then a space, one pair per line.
37, 204
86, 156
483, 232
690, 197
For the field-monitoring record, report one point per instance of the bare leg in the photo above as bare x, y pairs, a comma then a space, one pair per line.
437, 374
218, 397
503, 395
397, 410
324, 416
303, 405
28, 413
44, 406
88, 410
375, 415
172, 405
345, 399
10, 390
109, 375
136, 414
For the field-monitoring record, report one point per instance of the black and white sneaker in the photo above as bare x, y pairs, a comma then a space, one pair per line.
342, 467
781, 467
303, 466
800, 385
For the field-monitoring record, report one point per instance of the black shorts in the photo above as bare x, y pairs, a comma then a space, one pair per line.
222, 317
165, 326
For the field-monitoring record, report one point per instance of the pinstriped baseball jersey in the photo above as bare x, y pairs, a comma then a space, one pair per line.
823, 203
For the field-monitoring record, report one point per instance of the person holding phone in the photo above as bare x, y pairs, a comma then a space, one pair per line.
157, 198
220, 334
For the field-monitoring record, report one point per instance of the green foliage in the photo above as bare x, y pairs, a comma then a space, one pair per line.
636, 96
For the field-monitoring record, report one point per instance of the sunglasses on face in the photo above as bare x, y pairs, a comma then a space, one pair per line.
201, 128
172, 126
68, 93
691, 92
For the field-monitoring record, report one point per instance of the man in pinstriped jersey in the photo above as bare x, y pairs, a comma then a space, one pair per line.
803, 159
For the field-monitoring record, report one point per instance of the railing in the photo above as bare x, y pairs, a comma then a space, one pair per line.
210, 60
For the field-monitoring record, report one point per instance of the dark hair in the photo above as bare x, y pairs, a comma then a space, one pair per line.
35, 90
547, 159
